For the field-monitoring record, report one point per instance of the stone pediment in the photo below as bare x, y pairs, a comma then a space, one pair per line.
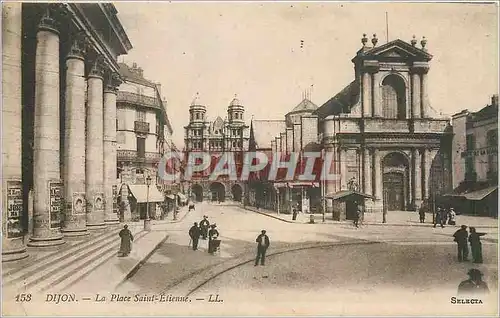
399, 49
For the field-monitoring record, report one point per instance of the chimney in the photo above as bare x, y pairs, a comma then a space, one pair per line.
158, 87
494, 100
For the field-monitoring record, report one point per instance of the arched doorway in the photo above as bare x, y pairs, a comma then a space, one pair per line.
217, 192
396, 181
197, 192
237, 192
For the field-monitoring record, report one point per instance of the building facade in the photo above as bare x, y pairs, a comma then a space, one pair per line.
386, 139
144, 134
297, 133
475, 161
60, 74
229, 135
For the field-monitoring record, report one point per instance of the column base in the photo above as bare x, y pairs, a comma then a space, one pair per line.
98, 226
14, 254
112, 221
74, 233
46, 241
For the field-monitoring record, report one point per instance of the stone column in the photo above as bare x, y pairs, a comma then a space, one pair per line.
343, 168
424, 97
377, 175
367, 92
367, 171
13, 247
75, 219
110, 160
417, 179
377, 94
415, 95
94, 170
428, 157
47, 187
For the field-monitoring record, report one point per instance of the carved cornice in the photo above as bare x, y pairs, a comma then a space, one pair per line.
419, 68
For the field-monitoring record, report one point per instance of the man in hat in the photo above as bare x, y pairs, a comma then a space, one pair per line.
440, 216
461, 236
262, 245
194, 233
204, 224
473, 286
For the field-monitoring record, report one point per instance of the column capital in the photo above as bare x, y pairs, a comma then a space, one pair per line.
419, 68
370, 66
97, 67
79, 44
111, 82
52, 16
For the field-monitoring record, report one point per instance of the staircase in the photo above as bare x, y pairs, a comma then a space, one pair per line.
59, 269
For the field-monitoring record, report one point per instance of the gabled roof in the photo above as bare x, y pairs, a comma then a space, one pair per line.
266, 130
304, 105
342, 102
395, 49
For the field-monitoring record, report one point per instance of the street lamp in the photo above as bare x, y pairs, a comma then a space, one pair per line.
147, 221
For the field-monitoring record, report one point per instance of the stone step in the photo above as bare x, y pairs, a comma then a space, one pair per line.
77, 270
49, 265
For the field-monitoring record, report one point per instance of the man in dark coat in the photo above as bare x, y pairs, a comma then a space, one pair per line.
357, 216
126, 241
194, 233
475, 245
262, 246
461, 236
474, 286
421, 214
204, 224
440, 217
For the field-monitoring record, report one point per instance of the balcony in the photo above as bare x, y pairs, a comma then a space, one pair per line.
141, 127
137, 99
133, 156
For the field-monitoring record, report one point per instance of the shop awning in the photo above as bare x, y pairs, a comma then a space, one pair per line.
170, 196
140, 193
182, 197
479, 194
346, 193
304, 184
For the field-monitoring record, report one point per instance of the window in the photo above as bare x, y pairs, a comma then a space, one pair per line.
470, 142
140, 115
120, 137
393, 97
141, 147
492, 141
197, 116
492, 138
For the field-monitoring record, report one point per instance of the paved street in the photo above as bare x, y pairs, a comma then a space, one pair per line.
358, 265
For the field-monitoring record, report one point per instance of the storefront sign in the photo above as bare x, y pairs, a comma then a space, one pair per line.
78, 203
14, 208
115, 199
55, 192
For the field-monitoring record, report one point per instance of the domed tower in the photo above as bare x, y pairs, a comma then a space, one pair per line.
235, 112
197, 111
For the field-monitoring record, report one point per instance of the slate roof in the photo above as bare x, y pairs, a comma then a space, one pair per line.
342, 102
266, 130
127, 74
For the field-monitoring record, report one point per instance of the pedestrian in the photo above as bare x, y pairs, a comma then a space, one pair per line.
452, 215
461, 236
191, 206
194, 233
294, 212
474, 286
204, 224
439, 219
475, 245
126, 241
421, 213
213, 234
262, 246
357, 216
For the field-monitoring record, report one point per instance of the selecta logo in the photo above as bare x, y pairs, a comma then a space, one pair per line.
244, 166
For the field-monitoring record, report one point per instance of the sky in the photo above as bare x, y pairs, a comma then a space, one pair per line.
253, 50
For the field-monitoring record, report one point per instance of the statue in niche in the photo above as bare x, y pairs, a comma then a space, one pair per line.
352, 184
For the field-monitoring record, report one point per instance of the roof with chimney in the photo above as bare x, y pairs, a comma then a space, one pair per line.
134, 74
266, 130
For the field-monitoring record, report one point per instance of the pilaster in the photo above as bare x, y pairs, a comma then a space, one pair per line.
417, 178
377, 180
415, 95
367, 171
367, 92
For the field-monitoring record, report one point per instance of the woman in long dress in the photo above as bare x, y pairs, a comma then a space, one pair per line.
126, 241
475, 245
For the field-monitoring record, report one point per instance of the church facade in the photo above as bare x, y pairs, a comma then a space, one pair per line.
229, 135
387, 140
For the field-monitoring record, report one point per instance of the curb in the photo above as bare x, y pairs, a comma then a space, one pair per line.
368, 223
141, 262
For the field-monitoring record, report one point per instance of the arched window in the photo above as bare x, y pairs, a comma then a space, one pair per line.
393, 97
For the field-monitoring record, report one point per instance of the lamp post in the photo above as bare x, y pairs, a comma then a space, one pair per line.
147, 221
